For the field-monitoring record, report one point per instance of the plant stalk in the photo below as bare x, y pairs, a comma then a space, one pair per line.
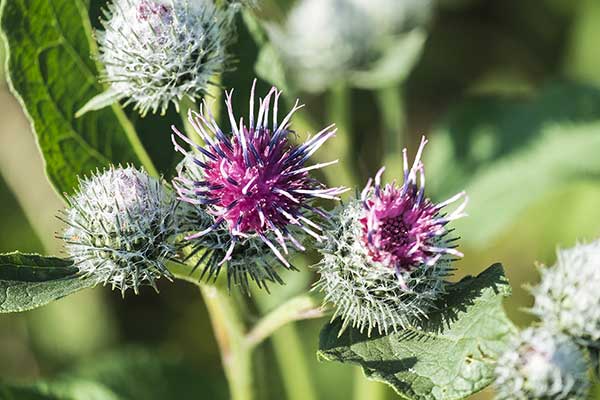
229, 331
392, 108
135, 141
339, 112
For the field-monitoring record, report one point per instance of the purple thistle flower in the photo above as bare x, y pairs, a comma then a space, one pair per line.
402, 228
254, 180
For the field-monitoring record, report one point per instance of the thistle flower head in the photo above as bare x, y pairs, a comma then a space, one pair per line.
158, 51
402, 229
542, 365
567, 296
254, 181
120, 226
386, 255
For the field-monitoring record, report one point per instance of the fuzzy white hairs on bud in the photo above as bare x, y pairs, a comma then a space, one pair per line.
542, 365
121, 226
157, 51
567, 296
368, 295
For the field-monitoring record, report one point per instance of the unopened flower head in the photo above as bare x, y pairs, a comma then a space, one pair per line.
120, 226
386, 255
393, 17
254, 181
158, 51
542, 365
322, 41
567, 296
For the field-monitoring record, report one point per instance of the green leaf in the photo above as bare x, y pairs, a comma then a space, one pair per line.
98, 102
450, 358
510, 153
51, 71
28, 281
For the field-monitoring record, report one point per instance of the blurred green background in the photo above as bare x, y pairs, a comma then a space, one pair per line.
539, 62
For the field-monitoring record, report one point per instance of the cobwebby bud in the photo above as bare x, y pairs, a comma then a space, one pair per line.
157, 51
567, 295
120, 228
540, 365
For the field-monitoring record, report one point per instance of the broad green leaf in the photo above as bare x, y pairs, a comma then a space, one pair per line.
51, 71
28, 281
450, 358
510, 153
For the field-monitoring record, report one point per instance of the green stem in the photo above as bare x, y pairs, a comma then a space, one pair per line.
135, 141
230, 333
236, 352
297, 308
391, 106
185, 105
367, 389
339, 113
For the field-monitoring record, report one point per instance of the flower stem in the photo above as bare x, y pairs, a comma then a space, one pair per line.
391, 106
135, 141
230, 333
339, 112
297, 308
236, 352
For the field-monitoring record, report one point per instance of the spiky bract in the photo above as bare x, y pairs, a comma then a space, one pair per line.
542, 365
121, 226
567, 296
158, 51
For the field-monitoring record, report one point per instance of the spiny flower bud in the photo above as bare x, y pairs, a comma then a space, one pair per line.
322, 41
121, 226
158, 51
386, 256
363, 43
542, 365
567, 296
254, 181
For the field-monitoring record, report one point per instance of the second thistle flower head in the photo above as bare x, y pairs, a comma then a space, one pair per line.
158, 51
387, 254
403, 229
254, 181
120, 227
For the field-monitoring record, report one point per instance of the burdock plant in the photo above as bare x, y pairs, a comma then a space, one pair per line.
386, 254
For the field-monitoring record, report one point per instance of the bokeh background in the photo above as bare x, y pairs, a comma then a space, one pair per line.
509, 93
